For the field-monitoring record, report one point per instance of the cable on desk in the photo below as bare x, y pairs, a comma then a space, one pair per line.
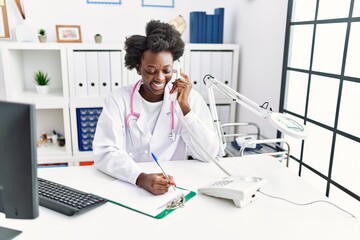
308, 203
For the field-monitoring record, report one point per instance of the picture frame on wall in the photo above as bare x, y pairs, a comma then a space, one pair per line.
158, 3
4, 23
68, 33
118, 2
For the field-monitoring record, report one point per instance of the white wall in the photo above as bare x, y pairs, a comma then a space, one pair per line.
258, 26
261, 35
114, 22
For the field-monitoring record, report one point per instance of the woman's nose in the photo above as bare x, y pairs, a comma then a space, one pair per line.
160, 76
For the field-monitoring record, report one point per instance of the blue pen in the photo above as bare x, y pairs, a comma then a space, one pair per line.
165, 175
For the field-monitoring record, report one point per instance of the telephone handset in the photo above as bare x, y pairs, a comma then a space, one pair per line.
241, 189
177, 69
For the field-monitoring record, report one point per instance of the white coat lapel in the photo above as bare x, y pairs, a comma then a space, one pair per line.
141, 121
163, 125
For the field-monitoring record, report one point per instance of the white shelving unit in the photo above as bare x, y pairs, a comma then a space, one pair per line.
220, 61
54, 118
19, 62
58, 109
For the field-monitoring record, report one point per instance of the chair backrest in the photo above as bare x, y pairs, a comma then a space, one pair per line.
242, 138
231, 131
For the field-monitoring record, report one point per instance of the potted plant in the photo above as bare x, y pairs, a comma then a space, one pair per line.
42, 35
42, 81
98, 38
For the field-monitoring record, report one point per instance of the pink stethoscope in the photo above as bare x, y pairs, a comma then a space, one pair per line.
137, 115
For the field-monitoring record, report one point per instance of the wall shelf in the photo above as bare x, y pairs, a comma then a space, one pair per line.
69, 64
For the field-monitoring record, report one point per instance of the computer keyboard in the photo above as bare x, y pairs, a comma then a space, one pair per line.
66, 200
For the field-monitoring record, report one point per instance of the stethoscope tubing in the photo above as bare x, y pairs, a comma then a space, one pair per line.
137, 115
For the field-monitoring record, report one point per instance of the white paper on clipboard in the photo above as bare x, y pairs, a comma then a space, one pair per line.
137, 198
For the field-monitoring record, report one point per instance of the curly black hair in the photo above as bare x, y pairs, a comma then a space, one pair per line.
159, 37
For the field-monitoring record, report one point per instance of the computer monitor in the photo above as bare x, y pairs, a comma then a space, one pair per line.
18, 162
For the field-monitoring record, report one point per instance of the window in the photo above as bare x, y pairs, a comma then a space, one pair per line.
321, 87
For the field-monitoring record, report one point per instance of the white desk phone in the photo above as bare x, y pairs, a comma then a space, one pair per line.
241, 189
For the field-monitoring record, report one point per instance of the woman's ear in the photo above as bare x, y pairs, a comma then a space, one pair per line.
138, 69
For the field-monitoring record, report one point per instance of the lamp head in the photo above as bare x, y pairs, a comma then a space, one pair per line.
288, 125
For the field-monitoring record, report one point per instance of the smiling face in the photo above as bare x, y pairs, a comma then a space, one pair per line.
156, 70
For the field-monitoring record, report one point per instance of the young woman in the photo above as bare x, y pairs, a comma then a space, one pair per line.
139, 119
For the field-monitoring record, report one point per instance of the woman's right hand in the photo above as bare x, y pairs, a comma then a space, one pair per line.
155, 183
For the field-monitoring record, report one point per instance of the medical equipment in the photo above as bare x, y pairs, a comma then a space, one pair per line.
132, 113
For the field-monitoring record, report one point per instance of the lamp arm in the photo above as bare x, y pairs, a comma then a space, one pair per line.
255, 108
216, 121
280, 121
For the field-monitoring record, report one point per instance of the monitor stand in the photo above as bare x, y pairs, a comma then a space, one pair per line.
7, 233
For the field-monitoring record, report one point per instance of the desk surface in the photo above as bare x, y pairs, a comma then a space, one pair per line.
203, 216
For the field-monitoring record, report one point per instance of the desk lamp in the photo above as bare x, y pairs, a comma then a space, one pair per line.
241, 189
280, 121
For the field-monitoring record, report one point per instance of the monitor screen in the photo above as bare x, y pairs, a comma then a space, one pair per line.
18, 162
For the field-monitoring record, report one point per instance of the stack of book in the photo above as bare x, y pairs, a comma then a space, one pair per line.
207, 28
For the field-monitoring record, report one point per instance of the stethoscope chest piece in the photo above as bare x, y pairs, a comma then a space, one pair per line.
172, 135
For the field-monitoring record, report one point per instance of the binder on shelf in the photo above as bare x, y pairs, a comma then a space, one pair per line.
226, 68
139, 200
216, 65
209, 28
205, 68
115, 70
80, 74
202, 26
92, 72
219, 12
197, 27
215, 33
104, 73
132, 76
195, 70
194, 38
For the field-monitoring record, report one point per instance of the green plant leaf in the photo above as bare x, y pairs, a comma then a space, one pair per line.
42, 32
41, 78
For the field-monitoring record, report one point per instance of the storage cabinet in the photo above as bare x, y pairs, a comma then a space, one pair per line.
83, 74
220, 61
19, 62
48, 120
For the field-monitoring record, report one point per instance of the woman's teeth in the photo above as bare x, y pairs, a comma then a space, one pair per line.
158, 85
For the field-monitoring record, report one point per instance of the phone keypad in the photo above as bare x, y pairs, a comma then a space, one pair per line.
221, 183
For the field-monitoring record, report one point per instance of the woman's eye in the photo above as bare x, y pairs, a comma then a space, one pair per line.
155, 72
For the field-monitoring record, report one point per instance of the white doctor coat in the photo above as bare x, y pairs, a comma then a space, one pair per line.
117, 148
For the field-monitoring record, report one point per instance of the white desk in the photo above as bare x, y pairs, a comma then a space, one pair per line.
202, 217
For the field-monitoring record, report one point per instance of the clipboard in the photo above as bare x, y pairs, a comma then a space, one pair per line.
139, 200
